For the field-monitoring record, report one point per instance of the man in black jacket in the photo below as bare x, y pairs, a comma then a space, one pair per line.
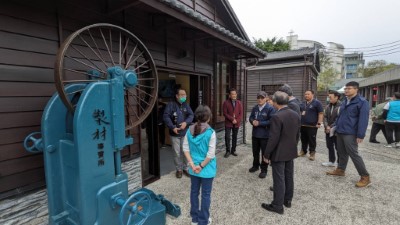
280, 152
330, 115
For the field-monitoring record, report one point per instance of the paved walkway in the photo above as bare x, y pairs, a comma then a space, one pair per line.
318, 199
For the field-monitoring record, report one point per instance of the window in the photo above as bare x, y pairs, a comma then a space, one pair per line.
351, 66
270, 89
349, 75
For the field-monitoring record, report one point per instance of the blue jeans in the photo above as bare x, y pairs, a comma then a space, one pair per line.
200, 214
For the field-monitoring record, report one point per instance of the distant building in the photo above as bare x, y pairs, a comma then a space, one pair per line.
354, 63
295, 43
298, 68
335, 52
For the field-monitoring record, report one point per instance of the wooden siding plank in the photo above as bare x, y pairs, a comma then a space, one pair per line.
22, 104
22, 179
19, 89
26, 43
28, 28
15, 135
23, 73
13, 151
13, 57
20, 119
19, 165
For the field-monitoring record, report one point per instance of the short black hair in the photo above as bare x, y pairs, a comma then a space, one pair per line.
312, 92
232, 89
397, 95
335, 93
353, 84
287, 89
179, 89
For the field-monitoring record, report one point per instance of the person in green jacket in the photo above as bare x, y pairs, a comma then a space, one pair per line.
378, 122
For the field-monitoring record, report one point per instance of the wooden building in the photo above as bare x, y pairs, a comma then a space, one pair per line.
197, 44
297, 68
380, 86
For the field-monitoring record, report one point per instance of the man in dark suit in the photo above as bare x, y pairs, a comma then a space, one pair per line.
280, 152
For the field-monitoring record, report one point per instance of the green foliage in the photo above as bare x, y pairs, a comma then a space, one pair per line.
326, 78
325, 61
272, 45
375, 67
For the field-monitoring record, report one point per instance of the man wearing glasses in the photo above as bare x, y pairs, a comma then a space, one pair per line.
351, 127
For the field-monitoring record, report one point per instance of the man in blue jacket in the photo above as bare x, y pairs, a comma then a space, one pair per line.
259, 118
178, 116
351, 126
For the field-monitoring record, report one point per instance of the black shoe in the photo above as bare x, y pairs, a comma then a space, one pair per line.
262, 174
271, 188
271, 208
375, 141
234, 154
253, 169
227, 154
287, 204
178, 174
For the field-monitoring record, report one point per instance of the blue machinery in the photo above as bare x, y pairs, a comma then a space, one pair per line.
82, 147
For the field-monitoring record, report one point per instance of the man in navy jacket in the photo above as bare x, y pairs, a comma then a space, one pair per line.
351, 126
178, 116
259, 118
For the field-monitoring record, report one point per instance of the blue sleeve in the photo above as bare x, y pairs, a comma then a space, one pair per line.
270, 112
252, 116
167, 115
363, 120
320, 108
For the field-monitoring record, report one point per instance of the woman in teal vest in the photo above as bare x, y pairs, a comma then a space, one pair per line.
199, 148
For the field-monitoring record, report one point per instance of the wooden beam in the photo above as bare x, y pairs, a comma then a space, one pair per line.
118, 6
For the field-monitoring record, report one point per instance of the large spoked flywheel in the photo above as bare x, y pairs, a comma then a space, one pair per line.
86, 55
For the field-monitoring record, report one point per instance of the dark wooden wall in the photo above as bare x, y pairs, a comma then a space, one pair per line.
292, 76
30, 35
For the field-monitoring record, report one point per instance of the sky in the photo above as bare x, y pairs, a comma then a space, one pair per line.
355, 24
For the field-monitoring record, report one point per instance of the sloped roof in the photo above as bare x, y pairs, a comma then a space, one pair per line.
211, 24
288, 54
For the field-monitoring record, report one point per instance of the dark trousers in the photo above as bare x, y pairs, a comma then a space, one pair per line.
348, 147
282, 176
228, 138
161, 133
376, 127
308, 138
390, 129
259, 145
332, 147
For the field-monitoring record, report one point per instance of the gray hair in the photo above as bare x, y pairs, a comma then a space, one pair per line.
287, 89
280, 98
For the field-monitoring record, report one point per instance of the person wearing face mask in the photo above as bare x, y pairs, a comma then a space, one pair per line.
177, 117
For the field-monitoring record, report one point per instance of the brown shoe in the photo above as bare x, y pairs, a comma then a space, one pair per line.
364, 182
178, 174
312, 156
301, 153
336, 172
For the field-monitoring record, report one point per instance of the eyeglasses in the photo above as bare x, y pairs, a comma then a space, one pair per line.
260, 97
